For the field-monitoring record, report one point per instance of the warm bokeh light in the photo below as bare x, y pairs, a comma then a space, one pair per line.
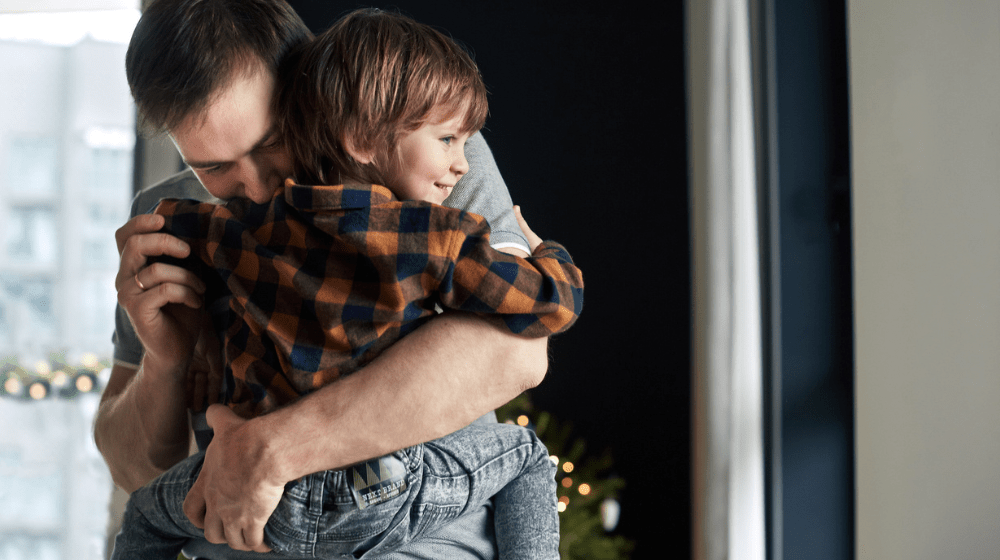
37, 391
89, 360
59, 378
12, 385
568, 467
522, 420
584, 489
84, 384
567, 482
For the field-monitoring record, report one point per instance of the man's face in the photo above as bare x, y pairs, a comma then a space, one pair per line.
233, 146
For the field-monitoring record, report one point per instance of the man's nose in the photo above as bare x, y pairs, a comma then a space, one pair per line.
258, 184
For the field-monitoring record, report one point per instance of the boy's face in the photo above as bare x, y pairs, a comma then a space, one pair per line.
431, 159
233, 146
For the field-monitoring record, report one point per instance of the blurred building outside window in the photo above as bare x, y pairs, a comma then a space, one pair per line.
67, 134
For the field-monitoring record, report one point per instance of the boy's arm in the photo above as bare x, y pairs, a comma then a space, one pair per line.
537, 296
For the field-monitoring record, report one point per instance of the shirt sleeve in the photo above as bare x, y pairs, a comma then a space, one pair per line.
534, 297
482, 191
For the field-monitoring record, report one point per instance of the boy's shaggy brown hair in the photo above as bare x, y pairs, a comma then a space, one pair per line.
358, 86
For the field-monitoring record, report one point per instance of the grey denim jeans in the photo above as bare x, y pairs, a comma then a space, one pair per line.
376, 507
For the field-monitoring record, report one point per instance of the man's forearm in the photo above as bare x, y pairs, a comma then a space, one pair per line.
433, 382
142, 426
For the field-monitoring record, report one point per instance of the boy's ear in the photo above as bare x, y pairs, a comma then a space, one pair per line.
362, 156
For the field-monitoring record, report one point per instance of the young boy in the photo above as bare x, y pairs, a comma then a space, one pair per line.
325, 278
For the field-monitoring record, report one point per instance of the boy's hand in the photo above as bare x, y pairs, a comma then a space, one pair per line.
533, 240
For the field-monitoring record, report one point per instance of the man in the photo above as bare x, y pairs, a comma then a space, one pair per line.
205, 71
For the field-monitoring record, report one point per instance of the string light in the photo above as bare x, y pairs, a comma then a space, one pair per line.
38, 390
567, 482
584, 489
12, 386
84, 384
568, 467
50, 378
522, 420
59, 378
89, 360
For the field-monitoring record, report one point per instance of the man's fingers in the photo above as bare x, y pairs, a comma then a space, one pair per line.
219, 417
194, 504
143, 223
137, 250
151, 300
215, 532
161, 273
234, 537
254, 539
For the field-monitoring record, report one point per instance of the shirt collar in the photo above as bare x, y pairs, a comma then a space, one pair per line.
331, 197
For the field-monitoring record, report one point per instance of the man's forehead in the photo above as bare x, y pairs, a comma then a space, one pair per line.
233, 123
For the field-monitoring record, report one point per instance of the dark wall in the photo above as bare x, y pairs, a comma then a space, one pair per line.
587, 123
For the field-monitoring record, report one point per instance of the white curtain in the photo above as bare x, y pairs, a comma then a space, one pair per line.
728, 467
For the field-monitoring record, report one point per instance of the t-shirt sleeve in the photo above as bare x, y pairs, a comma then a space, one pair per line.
482, 191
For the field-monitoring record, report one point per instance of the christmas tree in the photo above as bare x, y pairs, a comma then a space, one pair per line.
588, 498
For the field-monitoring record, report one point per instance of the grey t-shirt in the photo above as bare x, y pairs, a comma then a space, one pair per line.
481, 191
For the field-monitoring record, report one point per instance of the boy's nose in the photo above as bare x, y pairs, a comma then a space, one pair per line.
460, 166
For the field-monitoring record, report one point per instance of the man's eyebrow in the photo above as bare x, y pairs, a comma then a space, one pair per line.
264, 140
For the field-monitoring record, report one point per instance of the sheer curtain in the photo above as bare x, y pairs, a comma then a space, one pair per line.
728, 468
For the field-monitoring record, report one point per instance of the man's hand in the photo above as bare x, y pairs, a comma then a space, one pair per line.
233, 497
145, 291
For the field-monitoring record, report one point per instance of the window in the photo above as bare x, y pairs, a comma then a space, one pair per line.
30, 234
66, 139
33, 167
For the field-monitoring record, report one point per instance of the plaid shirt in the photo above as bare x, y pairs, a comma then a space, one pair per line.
323, 279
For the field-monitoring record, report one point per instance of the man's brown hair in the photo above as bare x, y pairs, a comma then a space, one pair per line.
184, 52
372, 76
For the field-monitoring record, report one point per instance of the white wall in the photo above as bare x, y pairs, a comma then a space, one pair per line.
925, 95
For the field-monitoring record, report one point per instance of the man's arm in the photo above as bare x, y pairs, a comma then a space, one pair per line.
432, 382
141, 427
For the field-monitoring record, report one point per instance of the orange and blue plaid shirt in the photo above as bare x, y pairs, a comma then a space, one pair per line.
323, 279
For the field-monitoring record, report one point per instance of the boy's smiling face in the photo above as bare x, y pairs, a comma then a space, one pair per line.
429, 160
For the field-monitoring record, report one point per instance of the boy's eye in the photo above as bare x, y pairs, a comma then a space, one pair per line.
447, 140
